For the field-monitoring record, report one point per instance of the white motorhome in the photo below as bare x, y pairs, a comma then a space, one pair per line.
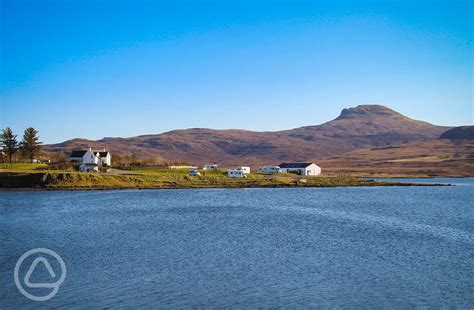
245, 169
270, 169
210, 167
236, 173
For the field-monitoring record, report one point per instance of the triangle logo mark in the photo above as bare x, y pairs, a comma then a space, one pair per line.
32, 268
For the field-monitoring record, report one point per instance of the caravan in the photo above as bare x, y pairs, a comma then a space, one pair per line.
210, 167
269, 169
236, 173
245, 169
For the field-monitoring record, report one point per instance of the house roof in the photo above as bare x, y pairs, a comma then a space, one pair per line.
78, 153
294, 165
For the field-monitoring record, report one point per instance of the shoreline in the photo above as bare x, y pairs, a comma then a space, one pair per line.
423, 178
74, 189
74, 181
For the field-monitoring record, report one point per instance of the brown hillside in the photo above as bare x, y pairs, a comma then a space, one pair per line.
362, 126
370, 125
437, 157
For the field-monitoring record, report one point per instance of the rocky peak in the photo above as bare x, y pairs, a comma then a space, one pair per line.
365, 111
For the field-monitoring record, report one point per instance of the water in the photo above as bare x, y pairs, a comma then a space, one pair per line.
378, 247
452, 181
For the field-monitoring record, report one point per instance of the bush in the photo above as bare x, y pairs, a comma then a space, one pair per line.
64, 166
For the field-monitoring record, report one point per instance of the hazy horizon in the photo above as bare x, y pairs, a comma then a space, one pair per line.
100, 69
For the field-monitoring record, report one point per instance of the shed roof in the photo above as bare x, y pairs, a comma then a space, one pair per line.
294, 165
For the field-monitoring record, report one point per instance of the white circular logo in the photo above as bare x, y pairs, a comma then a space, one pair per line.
43, 260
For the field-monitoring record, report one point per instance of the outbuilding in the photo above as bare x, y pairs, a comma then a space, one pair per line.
89, 167
303, 169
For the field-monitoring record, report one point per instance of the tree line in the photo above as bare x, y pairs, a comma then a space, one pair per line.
29, 146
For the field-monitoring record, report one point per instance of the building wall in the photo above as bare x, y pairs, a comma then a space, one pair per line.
90, 158
299, 171
312, 170
107, 161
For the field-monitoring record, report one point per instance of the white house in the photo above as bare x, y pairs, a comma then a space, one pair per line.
105, 159
245, 169
270, 169
91, 157
304, 169
210, 167
236, 173
84, 157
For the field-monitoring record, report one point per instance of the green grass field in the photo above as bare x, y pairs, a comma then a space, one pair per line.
22, 166
24, 175
182, 172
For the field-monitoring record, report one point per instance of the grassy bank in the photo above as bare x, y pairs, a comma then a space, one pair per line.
80, 181
22, 167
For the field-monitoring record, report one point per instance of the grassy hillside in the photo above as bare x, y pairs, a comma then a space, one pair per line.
164, 178
440, 157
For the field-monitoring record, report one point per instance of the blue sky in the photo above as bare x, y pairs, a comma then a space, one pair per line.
96, 69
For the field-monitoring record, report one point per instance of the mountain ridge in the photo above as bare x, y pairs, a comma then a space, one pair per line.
356, 127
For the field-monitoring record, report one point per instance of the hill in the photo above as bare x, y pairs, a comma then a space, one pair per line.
430, 158
459, 133
359, 127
